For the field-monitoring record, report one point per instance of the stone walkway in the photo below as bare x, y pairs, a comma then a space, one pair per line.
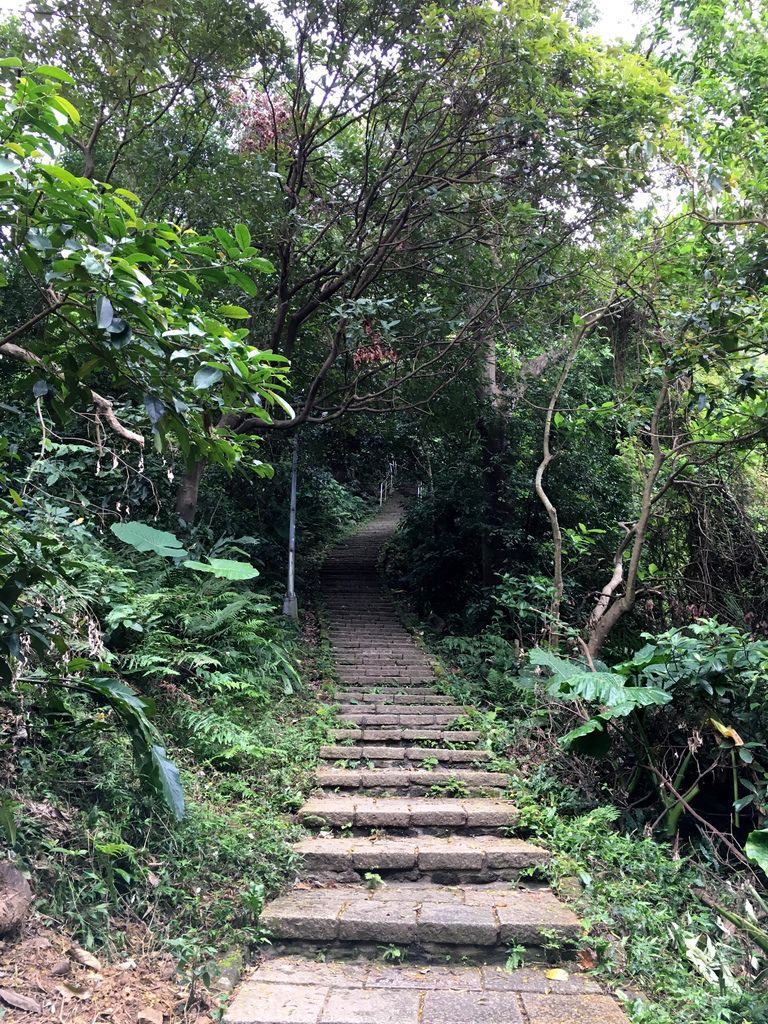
412, 894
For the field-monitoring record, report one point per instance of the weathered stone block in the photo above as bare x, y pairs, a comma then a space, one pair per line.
365, 1007
477, 1007
267, 1003
378, 921
457, 924
384, 856
557, 1009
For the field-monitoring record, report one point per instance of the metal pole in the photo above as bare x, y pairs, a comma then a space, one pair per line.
291, 605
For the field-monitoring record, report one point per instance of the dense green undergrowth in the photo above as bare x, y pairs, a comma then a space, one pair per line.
649, 934
222, 680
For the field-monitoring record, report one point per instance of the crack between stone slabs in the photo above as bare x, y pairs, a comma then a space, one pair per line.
525, 1017
420, 1008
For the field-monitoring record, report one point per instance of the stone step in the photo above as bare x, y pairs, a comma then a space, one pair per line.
373, 719
406, 754
367, 698
397, 735
386, 690
304, 991
384, 707
447, 860
404, 646
373, 677
425, 916
414, 814
458, 781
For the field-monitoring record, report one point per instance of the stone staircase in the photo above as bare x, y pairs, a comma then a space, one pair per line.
412, 892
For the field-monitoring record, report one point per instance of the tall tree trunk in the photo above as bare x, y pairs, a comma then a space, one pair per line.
188, 494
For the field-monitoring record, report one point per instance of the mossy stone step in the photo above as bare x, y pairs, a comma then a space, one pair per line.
397, 735
412, 780
477, 858
408, 813
444, 756
397, 718
420, 915
372, 698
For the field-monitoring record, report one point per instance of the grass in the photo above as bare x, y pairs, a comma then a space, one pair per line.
113, 864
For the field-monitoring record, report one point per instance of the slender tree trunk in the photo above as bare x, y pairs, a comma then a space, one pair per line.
606, 614
188, 494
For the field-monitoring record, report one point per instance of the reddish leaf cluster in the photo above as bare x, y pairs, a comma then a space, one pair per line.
262, 118
375, 351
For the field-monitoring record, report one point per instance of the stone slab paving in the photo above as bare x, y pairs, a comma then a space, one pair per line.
293, 989
448, 874
408, 813
408, 779
423, 853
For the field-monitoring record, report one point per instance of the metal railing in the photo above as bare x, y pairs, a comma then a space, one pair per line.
387, 485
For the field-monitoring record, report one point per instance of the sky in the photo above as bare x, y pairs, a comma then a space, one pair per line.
617, 18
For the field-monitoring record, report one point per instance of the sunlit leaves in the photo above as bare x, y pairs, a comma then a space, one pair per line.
127, 289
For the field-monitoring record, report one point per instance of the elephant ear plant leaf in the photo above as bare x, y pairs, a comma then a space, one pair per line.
160, 773
145, 538
571, 682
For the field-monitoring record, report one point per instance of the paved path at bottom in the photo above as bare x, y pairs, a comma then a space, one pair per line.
414, 888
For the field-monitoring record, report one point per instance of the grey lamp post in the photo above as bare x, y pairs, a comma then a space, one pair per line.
290, 604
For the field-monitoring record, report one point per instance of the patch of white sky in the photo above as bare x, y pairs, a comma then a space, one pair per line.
617, 18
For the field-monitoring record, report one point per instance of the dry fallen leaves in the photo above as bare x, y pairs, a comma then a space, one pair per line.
19, 1001
82, 956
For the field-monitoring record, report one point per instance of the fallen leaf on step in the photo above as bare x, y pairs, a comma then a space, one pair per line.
587, 959
18, 1001
82, 956
557, 974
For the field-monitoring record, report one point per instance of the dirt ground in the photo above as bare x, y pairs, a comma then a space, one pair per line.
45, 976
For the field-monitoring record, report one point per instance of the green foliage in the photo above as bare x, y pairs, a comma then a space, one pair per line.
609, 690
143, 537
118, 298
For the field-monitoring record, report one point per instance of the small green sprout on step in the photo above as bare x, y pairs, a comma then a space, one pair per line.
394, 954
373, 881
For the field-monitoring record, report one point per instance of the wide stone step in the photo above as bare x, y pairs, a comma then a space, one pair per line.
425, 916
449, 860
456, 782
300, 990
404, 754
402, 646
411, 719
414, 814
397, 735
384, 707
369, 678
370, 698
386, 690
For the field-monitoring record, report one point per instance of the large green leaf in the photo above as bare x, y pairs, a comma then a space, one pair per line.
590, 739
143, 537
224, 568
160, 773
756, 848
